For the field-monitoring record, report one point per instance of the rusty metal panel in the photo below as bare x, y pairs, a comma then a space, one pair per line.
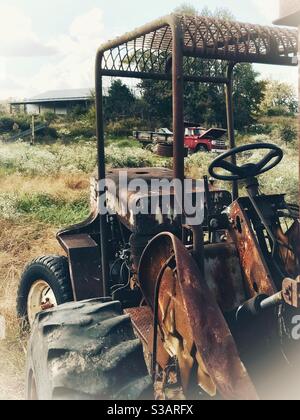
257, 276
291, 292
192, 321
224, 276
85, 266
142, 321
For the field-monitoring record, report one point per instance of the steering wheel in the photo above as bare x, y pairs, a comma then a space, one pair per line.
249, 170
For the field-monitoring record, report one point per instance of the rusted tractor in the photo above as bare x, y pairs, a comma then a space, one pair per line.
159, 308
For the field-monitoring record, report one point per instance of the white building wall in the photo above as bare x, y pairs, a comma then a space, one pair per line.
43, 109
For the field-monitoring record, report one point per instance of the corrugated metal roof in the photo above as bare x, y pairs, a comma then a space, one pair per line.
64, 94
58, 96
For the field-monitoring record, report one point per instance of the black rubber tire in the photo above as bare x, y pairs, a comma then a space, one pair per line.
201, 149
86, 351
52, 269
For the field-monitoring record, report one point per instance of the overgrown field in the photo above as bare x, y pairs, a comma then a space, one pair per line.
46, 187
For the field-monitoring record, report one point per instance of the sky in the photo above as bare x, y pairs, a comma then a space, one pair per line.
51, 44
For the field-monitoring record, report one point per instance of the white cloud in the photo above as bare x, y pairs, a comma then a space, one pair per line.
73, 66
17, 38
9, 87
88, 26
269, 9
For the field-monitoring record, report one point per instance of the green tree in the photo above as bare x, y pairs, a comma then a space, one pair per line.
205, 103
120, 101
218, 13
249, 92
157, 102
186, 9
280, 99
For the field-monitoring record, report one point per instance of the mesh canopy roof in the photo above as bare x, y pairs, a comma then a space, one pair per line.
148, 50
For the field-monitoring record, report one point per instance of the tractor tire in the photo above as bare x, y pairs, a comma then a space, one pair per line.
43, 272
86, 351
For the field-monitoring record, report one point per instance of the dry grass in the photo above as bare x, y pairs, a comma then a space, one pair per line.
60, 185
21, 240
19, 243
24, 236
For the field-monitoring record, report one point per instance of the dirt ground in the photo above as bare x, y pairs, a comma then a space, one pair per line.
19, 243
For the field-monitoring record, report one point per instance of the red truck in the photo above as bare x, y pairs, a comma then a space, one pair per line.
198, 139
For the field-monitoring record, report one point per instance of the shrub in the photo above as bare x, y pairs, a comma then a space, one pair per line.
128, 157
123, 143
46, 135
77, 112
83, 132
50, 117
24, 121
262, 138
124, 127
277, 112
90, 117
77, 132
261, 129
197, 165
283, 179
288, 134
6, 124
44, 160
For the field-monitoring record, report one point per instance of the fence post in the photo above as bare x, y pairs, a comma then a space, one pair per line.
33, 130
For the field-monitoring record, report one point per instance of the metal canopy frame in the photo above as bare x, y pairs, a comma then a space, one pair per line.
173, 48
146, 52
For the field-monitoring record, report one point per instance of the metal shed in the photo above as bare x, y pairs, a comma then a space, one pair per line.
57, 101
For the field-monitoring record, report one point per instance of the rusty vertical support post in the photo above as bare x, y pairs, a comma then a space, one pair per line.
101, 172
178, 115
230, 122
